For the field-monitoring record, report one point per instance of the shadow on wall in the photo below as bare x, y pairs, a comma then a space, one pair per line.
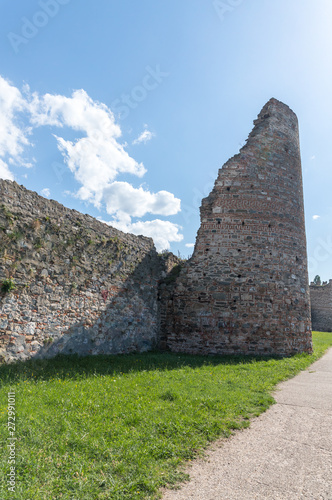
113, 316
128, 319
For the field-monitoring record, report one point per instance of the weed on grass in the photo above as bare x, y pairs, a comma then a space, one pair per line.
120, 427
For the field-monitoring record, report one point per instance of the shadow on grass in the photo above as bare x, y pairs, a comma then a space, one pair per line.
77, 367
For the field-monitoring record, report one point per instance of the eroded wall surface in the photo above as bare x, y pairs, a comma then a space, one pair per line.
80, 285
84, 287
245, 289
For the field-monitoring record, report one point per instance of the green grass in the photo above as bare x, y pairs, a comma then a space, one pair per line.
120, 427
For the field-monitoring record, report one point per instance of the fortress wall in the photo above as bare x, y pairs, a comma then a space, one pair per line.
81, 286
84, 287
245, 289
321, 307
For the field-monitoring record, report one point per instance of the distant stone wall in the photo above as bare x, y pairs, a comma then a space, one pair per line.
245, 290
81, 286
321, 307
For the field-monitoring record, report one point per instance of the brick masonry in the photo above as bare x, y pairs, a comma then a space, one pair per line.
245, 289
84, 287
321, 307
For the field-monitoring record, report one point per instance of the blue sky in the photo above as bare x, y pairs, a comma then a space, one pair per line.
126, 110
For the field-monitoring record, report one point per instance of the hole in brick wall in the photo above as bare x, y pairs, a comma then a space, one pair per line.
270, 225
296, 258
242, 223
239, 250
218, 221
270, 253
207, 249
239, 275
228, 188
266, 115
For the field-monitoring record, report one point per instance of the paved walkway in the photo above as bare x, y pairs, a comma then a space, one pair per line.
286, 454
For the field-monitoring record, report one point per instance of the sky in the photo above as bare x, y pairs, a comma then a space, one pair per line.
126, 110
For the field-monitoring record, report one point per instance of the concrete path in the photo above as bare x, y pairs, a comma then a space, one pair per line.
286, 454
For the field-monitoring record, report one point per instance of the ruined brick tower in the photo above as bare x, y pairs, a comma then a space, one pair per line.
245, 289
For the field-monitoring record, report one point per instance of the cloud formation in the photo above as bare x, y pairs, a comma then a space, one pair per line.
5, 173
144, 137
124, 198
95, 158
13, 136
45, 192
163, 232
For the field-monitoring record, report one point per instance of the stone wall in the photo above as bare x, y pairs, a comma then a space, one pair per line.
245, 289
81, 286
84, 287
321, 307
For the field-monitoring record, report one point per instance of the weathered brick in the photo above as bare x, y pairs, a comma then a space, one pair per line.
258, 244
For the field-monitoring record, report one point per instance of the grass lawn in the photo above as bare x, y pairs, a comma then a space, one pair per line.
119, 427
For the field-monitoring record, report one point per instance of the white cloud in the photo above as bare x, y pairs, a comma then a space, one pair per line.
45, 192
122, 197
95, 160
313, 158
5, 173
95, 157
190, 245
162, 232
315, 217
145, 136
13, 137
